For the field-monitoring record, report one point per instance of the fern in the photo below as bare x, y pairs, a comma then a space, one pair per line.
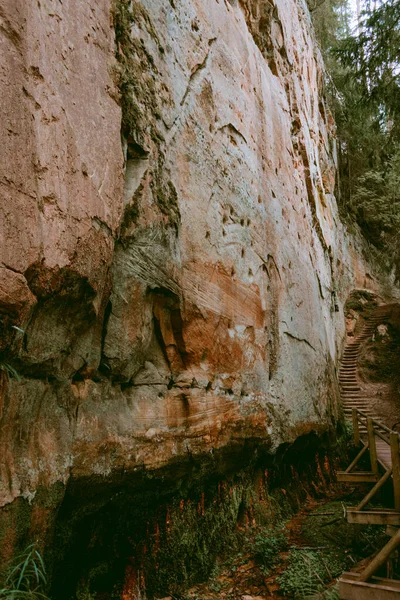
331, 593
268, 546
307, 575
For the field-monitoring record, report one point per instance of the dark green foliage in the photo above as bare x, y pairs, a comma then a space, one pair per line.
331, 21
333, 546
364, 94
174, 537
26, 577
187, 550
374, 56
268, 545
376, 204
308, 572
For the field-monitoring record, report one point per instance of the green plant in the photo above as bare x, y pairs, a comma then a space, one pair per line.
361, 301
268, 546
25, 577
7, 368
331, 593
308, 572
216, 586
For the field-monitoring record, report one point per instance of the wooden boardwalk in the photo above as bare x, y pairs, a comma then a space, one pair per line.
382, 446
383, 453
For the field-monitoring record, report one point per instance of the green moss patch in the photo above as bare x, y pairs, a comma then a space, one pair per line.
136, 71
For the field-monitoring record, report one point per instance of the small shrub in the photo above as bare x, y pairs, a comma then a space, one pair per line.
361, 301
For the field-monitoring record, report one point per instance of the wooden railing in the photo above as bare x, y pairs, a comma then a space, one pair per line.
383, 457
390, 437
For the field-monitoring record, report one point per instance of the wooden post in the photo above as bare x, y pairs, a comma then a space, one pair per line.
356, 430
381, 558
357, 458
376, 488
372, 446
394, 447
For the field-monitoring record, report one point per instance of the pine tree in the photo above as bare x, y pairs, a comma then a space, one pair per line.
364, 94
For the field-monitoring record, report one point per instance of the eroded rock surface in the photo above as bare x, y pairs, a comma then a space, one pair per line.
180, 290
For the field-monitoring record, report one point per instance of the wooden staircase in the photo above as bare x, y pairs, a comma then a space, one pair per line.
350, 390
382, 446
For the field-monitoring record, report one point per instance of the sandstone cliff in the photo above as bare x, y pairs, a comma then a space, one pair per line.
173, 268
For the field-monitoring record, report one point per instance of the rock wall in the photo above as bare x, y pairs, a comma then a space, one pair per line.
179, 291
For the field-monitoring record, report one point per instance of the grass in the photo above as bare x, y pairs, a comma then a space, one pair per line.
25, 577
11, 372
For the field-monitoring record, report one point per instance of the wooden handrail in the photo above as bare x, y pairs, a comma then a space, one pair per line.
372, 446
382, 426
394, 450
382, 436
374, 427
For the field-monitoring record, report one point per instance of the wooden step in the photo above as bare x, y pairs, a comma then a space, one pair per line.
355, 399
352, 374
364, 407
346, 383
348, 363
357, 477
348, 388
378, 516
356, 393
377, 588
